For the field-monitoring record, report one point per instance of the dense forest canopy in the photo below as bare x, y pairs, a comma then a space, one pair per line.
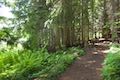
57, 24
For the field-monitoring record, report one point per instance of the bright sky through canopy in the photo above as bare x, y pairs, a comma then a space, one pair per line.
5, 11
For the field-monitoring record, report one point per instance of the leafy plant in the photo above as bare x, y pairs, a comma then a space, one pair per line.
111, 69
29, 65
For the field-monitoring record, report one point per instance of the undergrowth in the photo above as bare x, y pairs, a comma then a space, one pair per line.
39, 65
111, 69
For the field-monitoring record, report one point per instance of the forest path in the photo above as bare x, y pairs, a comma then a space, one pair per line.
89, 66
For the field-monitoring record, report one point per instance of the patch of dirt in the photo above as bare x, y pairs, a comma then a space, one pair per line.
87, 67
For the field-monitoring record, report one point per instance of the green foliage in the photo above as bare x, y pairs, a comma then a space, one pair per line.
1, 17
115, 46
7, 34
111, 69
29, 65
76, 51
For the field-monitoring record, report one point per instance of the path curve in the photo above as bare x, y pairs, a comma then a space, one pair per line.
87, 67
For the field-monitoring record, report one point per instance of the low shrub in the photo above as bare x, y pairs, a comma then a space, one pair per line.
30, 65
111, 69
76, 50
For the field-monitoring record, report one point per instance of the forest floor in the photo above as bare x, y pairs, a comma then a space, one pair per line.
89, 66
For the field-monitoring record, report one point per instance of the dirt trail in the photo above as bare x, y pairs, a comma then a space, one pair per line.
87, 67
